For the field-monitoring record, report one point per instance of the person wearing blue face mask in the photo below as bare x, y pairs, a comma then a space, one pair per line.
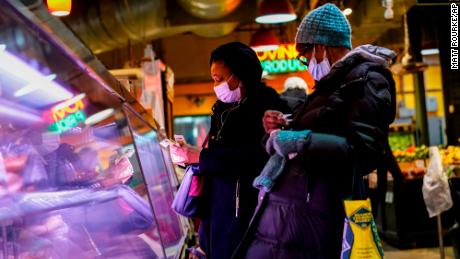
340, 134
234, 155
319, 70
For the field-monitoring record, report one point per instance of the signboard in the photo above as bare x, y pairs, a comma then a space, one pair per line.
282, 60
67, 115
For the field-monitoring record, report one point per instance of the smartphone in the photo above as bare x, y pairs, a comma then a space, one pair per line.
287, 117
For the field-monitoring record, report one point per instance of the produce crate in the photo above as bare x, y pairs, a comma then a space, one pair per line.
401, 140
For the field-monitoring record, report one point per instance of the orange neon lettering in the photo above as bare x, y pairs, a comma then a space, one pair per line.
262, 55
293, 51
72, 108
272, 54
59, 114
285, 52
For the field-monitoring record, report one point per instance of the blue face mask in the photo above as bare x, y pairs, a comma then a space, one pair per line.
319, 70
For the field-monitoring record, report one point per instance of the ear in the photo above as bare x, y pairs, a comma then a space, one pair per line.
234, 82
319, 54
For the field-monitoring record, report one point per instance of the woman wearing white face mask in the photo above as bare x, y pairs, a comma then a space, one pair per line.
234, 155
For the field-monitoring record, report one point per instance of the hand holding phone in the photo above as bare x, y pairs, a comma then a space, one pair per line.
275, 120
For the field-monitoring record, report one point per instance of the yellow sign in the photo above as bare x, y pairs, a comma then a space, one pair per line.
360, 239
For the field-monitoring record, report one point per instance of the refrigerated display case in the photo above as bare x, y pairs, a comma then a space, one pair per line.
82, 174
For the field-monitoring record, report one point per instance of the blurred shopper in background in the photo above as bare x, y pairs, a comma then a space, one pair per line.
295, 92
340, 132
235, 155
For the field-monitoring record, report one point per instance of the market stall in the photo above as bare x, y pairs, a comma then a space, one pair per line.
402, 215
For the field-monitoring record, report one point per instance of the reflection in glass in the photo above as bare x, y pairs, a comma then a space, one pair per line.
193, 128
71, 184
158, 181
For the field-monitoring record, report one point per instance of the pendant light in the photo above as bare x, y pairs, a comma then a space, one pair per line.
264, 40
59, 7
275, 11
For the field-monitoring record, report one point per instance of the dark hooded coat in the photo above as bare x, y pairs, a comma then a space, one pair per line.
234, 156
349, 114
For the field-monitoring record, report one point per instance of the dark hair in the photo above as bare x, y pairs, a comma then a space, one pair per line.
242, 61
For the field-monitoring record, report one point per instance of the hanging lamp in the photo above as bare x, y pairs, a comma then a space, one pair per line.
275, 11
264, 40
59, 7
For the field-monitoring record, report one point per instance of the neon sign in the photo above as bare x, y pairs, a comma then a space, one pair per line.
282, 60
67, 114
71, 121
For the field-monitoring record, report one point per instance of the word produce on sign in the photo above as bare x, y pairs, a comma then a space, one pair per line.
67, 115
282, 60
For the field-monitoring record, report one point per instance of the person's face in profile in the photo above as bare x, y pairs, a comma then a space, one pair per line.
221, 73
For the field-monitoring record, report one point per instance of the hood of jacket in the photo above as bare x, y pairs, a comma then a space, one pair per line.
380, 55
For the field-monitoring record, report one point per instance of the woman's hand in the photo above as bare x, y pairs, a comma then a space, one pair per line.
184, 154
274, 120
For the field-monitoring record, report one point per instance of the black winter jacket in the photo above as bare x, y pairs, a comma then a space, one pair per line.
235, 154
349, 114
295, 98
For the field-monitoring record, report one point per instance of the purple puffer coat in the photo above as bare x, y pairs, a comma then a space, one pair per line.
349, 114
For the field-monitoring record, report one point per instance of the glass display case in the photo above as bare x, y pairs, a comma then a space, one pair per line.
82, 175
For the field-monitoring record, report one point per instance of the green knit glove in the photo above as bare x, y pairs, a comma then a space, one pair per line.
286, 142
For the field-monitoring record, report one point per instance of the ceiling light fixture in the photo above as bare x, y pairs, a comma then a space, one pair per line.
59, 7
99, 116
20, 69
69, 102
275, 11
14, 112
427, 52
34, 86
347, 11
264, 40
389, 13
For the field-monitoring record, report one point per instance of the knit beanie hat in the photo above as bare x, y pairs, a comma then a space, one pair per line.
325, 25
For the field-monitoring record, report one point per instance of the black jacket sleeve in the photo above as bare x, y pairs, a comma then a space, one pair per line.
369, 115
249, 156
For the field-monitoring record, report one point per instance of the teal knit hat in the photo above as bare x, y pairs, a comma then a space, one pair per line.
325, 25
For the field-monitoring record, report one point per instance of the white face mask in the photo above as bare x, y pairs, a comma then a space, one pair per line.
226, 95
318, 71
